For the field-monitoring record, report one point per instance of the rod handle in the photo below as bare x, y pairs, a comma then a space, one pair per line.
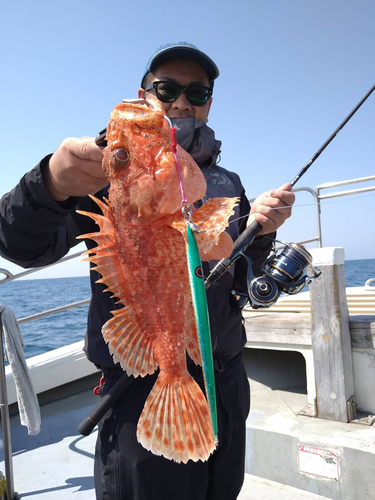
246, 237
106, 402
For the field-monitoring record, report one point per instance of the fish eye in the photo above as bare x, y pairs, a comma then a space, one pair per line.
121, 156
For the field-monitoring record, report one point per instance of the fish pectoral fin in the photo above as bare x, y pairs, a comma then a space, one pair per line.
221, 249
128, 344
212, 218
175, 421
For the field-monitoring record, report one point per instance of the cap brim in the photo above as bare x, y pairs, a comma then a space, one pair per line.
188, 53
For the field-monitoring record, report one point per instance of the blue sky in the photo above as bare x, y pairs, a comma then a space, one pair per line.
291, 70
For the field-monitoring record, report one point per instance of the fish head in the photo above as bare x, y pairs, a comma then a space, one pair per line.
141, 167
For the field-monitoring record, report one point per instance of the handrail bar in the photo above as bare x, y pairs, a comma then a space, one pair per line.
49, 312
7, 273
318, 197
346, 193
328, 185
11, 277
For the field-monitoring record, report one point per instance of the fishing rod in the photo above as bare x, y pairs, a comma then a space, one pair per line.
248, 235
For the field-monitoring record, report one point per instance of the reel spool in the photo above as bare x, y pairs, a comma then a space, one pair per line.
283, 272
288, 267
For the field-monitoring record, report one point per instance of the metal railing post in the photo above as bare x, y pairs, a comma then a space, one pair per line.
315, 195
5, 423
318, 237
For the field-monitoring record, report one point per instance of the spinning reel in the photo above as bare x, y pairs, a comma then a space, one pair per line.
282, 272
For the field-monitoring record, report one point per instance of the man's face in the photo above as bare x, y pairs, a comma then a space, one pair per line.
185, 73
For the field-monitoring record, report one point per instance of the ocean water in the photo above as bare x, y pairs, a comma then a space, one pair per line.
29, 297
357, 272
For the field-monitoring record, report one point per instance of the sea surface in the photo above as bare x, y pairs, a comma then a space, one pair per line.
27, 297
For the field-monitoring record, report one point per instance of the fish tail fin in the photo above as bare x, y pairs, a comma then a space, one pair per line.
175, 421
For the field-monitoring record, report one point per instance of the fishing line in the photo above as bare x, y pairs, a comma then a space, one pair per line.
302, 205
198, 295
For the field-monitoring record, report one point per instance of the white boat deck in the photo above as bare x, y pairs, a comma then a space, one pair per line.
57, 464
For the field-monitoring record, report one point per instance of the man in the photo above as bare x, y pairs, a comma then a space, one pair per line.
39, 225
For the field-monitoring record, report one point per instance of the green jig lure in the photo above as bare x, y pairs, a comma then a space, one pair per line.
198, 292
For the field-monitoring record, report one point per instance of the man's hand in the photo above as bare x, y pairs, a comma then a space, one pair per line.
263, 208
75, 169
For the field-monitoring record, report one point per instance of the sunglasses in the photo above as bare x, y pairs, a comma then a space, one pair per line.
197, 95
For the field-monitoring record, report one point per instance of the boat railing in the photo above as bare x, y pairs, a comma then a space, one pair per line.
10, 276
336, 194
318, 197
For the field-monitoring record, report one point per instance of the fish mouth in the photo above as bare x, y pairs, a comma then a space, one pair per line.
136, 109
152, 105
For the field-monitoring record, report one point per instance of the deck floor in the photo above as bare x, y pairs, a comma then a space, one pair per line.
57, 464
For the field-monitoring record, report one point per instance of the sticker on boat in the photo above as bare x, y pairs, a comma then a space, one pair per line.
322, 464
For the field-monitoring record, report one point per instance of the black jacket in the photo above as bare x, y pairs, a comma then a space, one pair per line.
36, 231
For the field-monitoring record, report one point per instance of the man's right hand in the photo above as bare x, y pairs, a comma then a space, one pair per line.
75, 169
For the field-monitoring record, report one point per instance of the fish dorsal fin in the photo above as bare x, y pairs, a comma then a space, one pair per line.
127, 341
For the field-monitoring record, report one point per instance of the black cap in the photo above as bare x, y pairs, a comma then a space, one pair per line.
181, 50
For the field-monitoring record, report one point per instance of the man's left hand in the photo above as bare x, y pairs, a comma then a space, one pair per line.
272, 208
